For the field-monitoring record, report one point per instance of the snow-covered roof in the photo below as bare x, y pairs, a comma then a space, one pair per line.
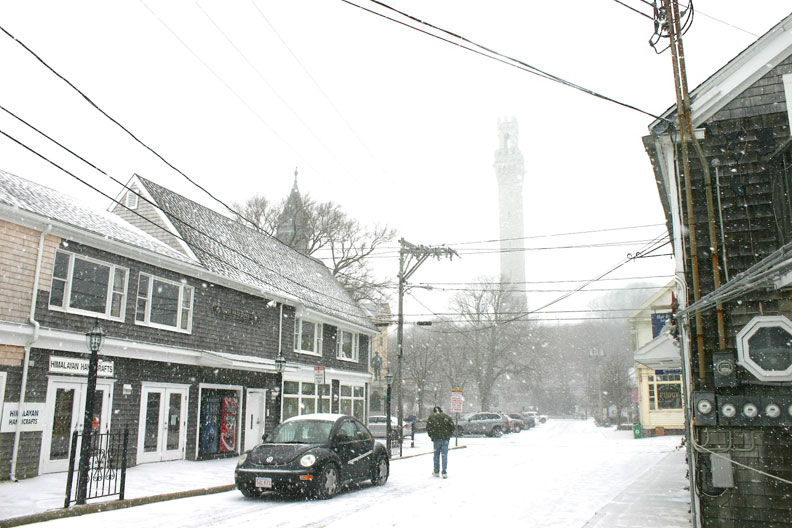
249, 256
23, 195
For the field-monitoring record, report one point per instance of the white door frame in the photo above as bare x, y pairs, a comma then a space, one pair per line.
80, 385
255, 417
162, 453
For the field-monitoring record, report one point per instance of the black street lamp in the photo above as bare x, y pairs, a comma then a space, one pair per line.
388, 380
94, 339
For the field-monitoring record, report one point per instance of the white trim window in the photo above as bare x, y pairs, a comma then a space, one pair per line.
308, 337
352, 400
87, 286
665, 392
163, 303
301, 398
347, 346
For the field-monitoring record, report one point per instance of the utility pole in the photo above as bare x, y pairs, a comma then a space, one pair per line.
411, 257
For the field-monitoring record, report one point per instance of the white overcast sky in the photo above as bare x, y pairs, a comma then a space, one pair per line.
397, 127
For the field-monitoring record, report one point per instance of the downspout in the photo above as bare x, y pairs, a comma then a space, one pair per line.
716, 164
28, 345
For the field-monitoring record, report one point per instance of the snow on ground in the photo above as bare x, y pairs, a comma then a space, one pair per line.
565, 474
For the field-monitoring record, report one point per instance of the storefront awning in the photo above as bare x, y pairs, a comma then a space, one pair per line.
661, 352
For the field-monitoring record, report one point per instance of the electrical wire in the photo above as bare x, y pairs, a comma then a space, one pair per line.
321, 90
122, 127
274, 91
491, 53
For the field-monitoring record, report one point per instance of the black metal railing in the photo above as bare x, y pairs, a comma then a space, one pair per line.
394, 444
107, 468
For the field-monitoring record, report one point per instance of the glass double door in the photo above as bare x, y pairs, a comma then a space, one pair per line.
65, 413
162, 433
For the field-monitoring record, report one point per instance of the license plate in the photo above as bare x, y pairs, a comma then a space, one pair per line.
263, 482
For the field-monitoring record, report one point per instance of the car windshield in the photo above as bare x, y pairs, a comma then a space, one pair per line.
301, 432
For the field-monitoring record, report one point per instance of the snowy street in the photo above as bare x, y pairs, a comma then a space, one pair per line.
565, 473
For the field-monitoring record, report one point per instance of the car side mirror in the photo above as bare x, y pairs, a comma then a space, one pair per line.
265, 437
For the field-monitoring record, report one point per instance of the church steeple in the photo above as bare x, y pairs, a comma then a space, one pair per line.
292, 226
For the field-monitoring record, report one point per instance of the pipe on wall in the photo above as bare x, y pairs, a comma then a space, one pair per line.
28, 345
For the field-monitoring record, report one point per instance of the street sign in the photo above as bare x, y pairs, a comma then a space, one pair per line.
319, 375
456, 400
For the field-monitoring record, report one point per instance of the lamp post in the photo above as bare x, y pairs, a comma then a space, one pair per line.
388, 381
280, 365
94, 339
596, 353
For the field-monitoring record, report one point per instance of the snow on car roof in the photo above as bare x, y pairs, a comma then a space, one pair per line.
324, 417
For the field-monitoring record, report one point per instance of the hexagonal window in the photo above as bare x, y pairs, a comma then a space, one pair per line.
764, 348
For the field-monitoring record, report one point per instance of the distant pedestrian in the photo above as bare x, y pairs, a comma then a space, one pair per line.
440, 427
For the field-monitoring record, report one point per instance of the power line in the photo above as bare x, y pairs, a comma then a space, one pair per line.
228, 87
319, 87
389, 253
492, 54
122, 127
668, 277
269, 85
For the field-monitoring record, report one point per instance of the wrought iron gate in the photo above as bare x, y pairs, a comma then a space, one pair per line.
107, 468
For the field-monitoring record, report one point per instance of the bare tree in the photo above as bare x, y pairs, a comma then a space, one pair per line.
342, 243
421, 364
492, 338
260, 211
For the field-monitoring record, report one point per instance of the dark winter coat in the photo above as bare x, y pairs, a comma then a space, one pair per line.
439, 426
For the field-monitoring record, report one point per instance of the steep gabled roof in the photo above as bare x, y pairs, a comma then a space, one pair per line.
28, 197
249, 256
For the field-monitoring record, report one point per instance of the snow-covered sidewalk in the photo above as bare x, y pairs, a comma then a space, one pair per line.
48, 492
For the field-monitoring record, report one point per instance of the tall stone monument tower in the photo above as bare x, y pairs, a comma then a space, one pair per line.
510, 170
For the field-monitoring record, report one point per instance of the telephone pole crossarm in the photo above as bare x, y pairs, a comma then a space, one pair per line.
411, 256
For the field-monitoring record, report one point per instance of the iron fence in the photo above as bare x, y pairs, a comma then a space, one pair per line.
107, 467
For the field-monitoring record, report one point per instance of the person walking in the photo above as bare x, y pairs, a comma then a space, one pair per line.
440, 427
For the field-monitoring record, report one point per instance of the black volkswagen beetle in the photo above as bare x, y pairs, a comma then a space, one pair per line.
315, 454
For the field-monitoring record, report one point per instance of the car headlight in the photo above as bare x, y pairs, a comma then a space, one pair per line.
242, 459
308, 460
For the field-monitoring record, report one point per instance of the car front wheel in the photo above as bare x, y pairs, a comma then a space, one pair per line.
327, 484
496, 432
380, 471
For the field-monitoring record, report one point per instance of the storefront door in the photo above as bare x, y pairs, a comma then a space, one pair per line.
255, 412
64, 413
162, 432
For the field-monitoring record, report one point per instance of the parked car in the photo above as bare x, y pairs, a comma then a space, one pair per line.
486, 423
378, 426
517, 422
313, 454
531, 418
